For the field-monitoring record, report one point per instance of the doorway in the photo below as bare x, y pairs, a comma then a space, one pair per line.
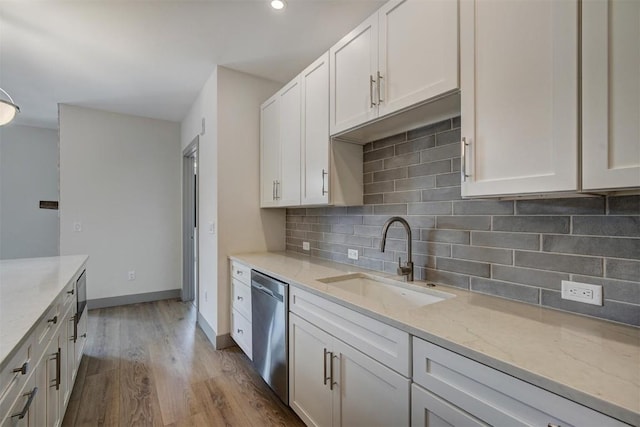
190, 223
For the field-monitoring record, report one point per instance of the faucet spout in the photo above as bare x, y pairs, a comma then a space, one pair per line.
406, 270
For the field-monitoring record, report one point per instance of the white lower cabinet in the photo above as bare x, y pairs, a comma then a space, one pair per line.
333, 384
453, 390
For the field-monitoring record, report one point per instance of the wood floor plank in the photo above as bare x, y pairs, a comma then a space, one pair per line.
150, 365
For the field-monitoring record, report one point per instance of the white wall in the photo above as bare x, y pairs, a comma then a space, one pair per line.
120, 177
205, 106
28, 174
245, 227
229, 184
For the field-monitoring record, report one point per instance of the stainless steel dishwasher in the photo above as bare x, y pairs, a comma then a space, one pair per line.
269, 310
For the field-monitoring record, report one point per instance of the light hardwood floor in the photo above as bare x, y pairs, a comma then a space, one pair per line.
149, 365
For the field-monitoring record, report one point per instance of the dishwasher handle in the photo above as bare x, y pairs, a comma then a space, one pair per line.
267, 291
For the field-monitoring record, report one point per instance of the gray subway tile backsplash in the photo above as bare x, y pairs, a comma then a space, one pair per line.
520, 250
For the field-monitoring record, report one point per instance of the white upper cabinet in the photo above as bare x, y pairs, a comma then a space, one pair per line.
315, 132
404, 54
354, 63
418, 52
280, 147
610, 95
519, 96
269, 150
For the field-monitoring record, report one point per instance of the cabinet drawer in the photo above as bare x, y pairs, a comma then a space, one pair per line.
45, 329
492, 396
68, 296
241, 272
241, 332
12, 378
25, 401
428, 410
241, 298
380, 341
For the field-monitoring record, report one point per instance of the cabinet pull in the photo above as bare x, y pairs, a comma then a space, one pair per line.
379, 88
53, 320
371, 82
324, 173
240, 331
331, 382
463, 159
27, 405
277, 190
58, 356
22, 369
75, 328
71, 292
239, 298
239, 272
273, 190
324, 367
553, 425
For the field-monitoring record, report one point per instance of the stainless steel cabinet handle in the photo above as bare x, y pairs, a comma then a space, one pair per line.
273, 190
553, 425
75, 328
53, 320
332, 383
371, 82
22, 369
324, 367
71, 292
240, 331
324, 173
239, 272
58, 356
463, 159
239, 298
83, 336
379, 89
27, 405
277, 190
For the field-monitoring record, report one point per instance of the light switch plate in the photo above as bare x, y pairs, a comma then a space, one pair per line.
305, 246
77, 227
352, 254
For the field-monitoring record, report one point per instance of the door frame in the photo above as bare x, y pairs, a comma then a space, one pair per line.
190, 204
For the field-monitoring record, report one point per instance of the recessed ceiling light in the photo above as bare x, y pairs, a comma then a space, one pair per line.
278, 4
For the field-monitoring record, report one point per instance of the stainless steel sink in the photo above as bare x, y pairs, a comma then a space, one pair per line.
389, 292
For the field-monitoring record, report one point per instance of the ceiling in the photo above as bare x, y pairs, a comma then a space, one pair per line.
151, 57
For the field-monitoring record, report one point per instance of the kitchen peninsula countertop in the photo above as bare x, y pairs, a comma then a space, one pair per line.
28, 287
590, 361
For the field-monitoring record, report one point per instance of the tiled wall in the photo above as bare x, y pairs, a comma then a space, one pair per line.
519, 250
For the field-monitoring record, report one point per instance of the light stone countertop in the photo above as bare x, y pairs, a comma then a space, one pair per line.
28, 287
590, 361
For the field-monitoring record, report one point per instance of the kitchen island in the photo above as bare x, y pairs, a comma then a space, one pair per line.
42, 337
591, 362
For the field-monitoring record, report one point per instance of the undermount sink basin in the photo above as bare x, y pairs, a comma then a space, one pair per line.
389, 292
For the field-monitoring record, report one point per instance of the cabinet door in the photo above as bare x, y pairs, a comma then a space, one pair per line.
81, 339
418, 52
354, 64
367, 393
310, 393
315, 132
610, 95
519, 96
269, 151
428, 410
288, 186
68, 358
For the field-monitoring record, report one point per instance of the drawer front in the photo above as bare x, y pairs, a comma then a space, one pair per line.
68, 296
382, 342
22, 413
241, 332
241, 298
241, 272
495, 397
428, 410
45, 330
15, 374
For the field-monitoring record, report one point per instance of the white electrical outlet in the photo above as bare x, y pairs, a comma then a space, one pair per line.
132, 275
582, 292
305, 246
352, 254
77, 227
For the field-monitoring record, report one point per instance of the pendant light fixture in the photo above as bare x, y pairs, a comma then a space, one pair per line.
8, 109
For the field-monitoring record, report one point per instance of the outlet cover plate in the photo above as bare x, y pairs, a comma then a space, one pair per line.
582, 292
305, 246
352, 254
